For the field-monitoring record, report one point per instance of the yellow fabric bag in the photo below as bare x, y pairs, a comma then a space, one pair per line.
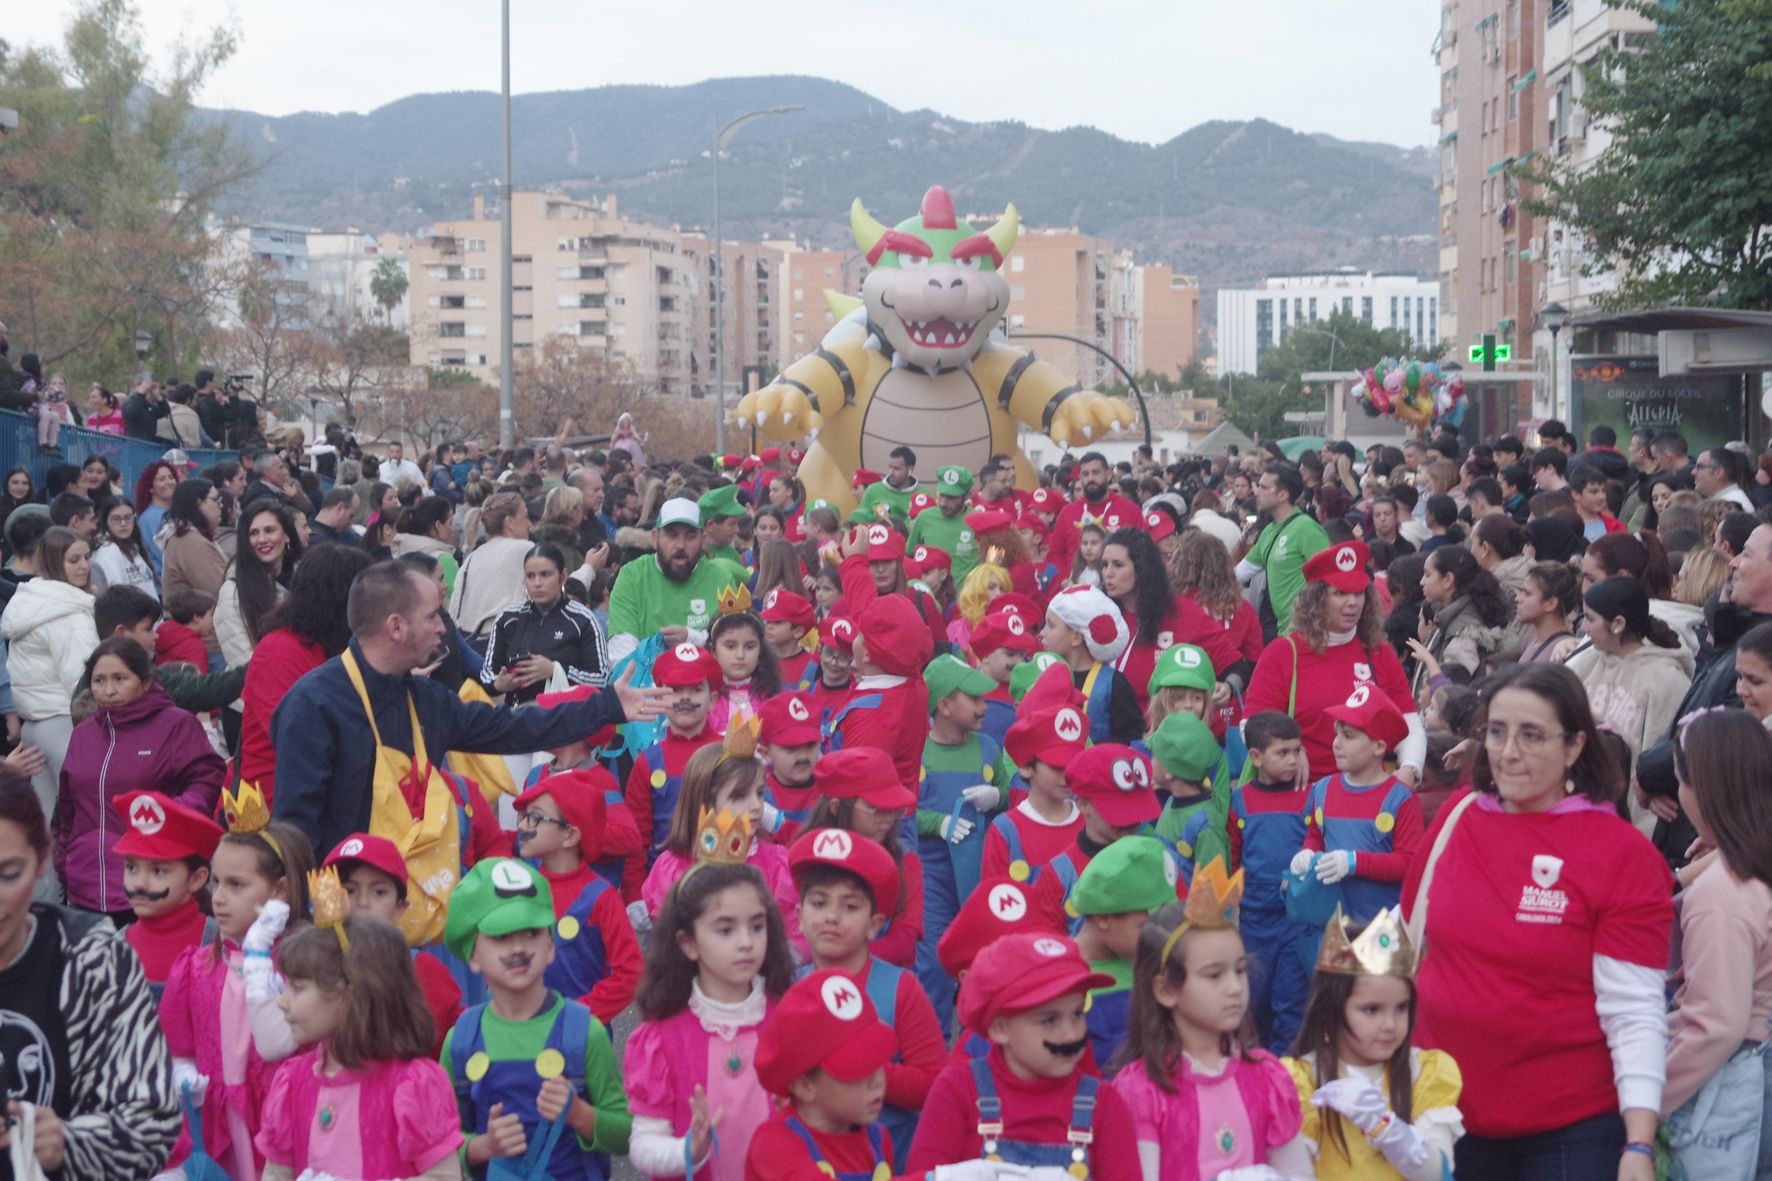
491, 772
431, 844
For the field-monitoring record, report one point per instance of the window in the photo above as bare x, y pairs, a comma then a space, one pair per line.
475, 274
1513, 102
799, 338
1264, 325
1017, 291
799, 273
476, 245
1393, 311
1366, 308
1510, 257
1018, 263
799, 293
1313, 308
830, 272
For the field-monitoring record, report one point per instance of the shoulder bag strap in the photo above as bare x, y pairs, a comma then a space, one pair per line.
1292, 694
1417, 925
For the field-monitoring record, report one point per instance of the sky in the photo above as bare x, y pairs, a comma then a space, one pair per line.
1140, 69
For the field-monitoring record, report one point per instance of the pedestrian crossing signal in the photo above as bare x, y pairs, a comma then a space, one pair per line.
1488, 353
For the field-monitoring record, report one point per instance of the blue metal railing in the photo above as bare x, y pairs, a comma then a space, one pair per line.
18, 448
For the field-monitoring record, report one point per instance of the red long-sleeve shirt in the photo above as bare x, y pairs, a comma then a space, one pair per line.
1040, 841
922, 1051
898, 943
610, 995
442, 995
778, 1154
1404, 827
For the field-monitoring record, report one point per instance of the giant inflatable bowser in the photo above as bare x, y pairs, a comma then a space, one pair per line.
914, 363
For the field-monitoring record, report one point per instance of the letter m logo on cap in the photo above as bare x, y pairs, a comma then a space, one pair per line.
1346, 559
146, 816
833, 844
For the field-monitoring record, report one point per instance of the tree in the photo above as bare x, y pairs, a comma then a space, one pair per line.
104, 192
388, 283
354, 357
429, 406
562, 386
1678, 205
271, 337
1343, 342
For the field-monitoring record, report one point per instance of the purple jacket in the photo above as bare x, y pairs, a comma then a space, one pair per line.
148, 745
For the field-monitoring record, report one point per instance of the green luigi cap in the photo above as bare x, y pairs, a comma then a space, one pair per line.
1183, 746
1183, 666
953, 481
720, 502
1132, 873
497, 897
949, 674
1028, 671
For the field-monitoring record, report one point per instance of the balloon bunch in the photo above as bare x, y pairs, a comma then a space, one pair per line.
1415, 392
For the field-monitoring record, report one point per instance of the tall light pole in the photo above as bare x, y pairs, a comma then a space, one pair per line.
722, 137
507, 416
1553, 316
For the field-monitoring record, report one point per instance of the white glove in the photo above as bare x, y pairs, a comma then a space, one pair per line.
185, 1075
955, 829
273, 916
977, 1170
1252, 1173
1332, 867
1361, 1102
638, 916
317, 1175
771, 818
1049, 1173
1301, 861
985, 798
1404, 1147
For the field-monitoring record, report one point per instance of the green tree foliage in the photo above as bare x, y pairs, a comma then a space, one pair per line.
1679, 205
104, 192
388, 283
1341, 343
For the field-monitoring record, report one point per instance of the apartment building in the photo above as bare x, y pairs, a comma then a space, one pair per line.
1252, 320
1168, 311
341, 267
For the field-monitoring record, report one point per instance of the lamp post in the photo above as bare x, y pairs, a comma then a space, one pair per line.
507, 415
1131, 382
143, 343
1553, 316
1334, 340
722, 137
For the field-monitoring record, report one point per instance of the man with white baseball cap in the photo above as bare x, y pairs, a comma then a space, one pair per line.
674, 591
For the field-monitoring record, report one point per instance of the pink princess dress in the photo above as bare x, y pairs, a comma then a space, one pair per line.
387, 1121
712, 1045
1231, 1119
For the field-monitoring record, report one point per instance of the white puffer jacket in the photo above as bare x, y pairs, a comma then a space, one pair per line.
49, 630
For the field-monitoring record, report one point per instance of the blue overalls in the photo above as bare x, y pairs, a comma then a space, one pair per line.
1098, 691
481, 1081
882, 1168
665, 789
882, 990
580, 958
1109, 1012
999, 715
1362, 898
1011, 835
1072, 1153
830, 723
1281, 981
950, 871
607, 868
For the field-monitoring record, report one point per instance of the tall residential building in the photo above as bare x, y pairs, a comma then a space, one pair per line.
1168, 310
802, 277
1491, 258
341, 267
277, 249
1252, 320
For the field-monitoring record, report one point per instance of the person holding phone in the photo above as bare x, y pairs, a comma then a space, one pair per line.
545, 630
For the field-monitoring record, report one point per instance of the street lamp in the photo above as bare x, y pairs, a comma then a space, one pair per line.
1553, 316
143, 342
722, 137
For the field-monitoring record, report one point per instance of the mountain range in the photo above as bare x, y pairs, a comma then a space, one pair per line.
1227, 201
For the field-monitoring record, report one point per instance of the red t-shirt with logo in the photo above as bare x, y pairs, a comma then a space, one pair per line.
1324, 679
1520, 905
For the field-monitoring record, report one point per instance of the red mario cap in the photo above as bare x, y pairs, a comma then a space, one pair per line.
1031, 521
866, 859
862, 773
885, 544
920, 501
377, 853
1117, 782
685, 664
824, 1022
795, 455
837, 631
162, 829
988, 520
770, 455
1031, 612
997, 907
1342, 566
750, 463
596, 741
897, 637
1046, 500
931, 558
1054, 737
1022, 972
788, 720
1370, 710
1159, 524
864, 477
781, 605
582, 796
1002, 629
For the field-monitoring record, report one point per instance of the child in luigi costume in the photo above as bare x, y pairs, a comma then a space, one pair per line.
529, 1065
1119, 889
1188, 768
721, 511
1182, 681
946, 527
964, 784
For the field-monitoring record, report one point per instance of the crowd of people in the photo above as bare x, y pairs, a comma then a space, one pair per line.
503, 812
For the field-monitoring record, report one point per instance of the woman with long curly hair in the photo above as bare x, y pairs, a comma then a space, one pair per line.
1470, 614
153, 496
1135, 578
983, 583
1210, 608
1334, 644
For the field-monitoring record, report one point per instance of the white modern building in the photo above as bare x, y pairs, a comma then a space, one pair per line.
1252, 320
341, 270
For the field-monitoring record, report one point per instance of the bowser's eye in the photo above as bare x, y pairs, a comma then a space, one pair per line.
971, 262
912, 260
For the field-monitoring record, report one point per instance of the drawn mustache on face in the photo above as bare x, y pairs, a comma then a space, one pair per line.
147, 895
520, 959
1067, 1049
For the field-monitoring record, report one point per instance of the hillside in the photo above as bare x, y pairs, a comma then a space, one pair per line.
1228, 201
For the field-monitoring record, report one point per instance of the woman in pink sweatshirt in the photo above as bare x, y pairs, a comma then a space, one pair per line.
1718, 1097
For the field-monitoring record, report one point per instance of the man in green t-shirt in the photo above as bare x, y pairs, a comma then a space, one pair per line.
946, 528
675, 591
896, 488
1292, 536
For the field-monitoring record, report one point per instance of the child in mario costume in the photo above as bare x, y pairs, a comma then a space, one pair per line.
788, 619
888, 707
656, 778
1363, 822
998, 907
790, 751
824, 1050
165, 848
1085, 628
848, 885
1029, 835
836, 664
1000, 643
1029, 1101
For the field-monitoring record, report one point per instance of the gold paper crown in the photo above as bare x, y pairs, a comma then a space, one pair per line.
742, 730
332, 905
245, 809
993, 555
1213, 898
723, 839
733, 601
1382, 949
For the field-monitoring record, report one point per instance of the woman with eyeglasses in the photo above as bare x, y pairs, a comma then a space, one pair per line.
120, 559
1546, 919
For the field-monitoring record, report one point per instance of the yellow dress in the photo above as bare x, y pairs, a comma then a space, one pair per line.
1437, 1087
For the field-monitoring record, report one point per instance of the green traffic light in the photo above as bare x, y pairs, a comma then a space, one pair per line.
1476, 354
1503, 352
